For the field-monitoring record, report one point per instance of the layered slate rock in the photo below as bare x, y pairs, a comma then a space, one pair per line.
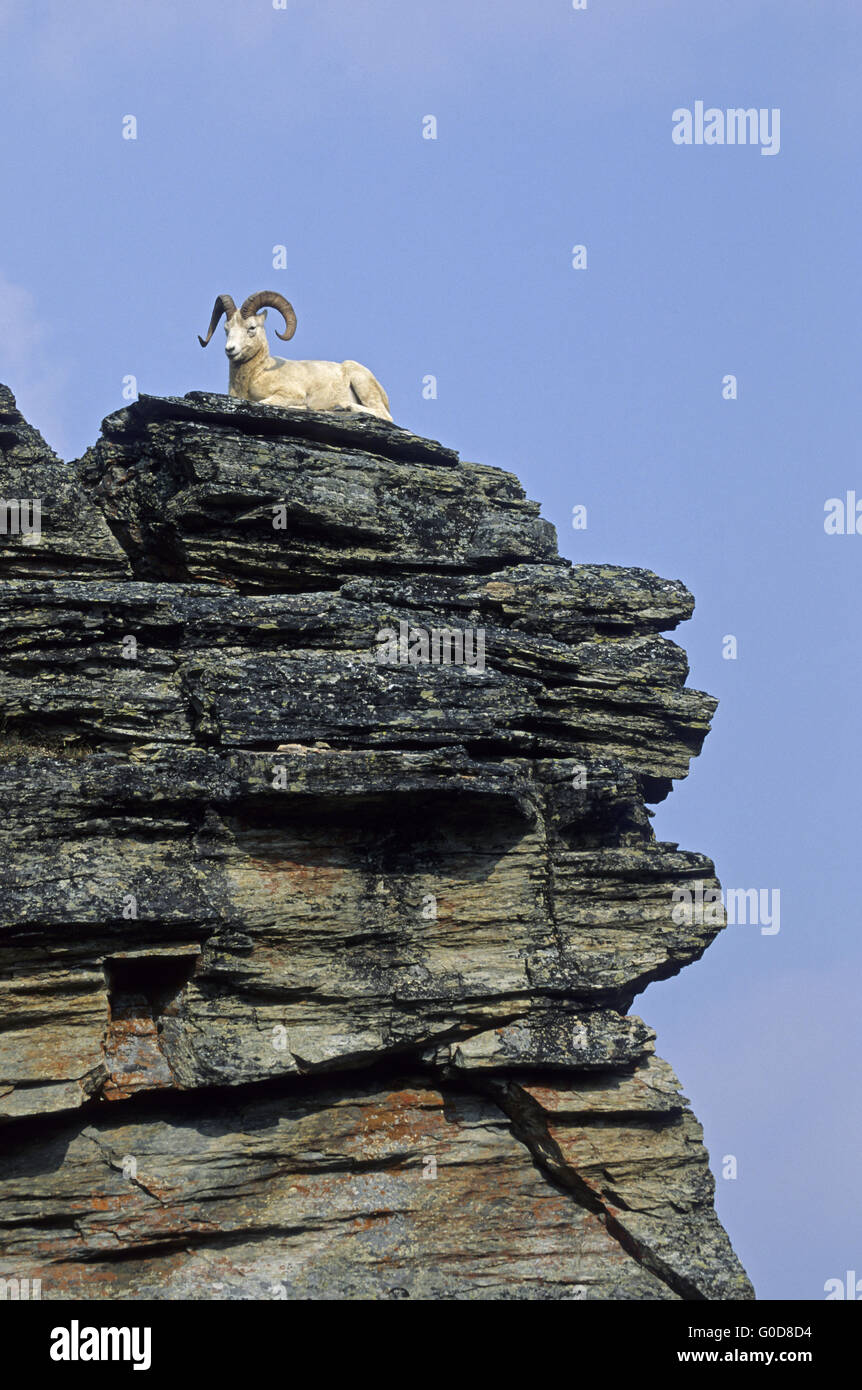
317, 970
72, 537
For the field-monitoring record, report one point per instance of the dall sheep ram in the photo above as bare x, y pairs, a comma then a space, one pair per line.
256, 376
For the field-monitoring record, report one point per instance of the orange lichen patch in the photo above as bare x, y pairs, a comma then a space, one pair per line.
372, 1222
133, 1054
286, 875
73, 1280
105, 1203
579, 1146
402, 1119
167, 1223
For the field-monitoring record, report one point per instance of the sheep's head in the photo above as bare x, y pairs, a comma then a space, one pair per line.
244, 327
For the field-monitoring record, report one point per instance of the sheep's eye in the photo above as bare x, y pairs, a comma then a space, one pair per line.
252, 330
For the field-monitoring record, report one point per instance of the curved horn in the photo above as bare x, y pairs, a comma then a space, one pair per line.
273, 300
223, 305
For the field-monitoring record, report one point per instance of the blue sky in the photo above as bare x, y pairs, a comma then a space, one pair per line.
302, 127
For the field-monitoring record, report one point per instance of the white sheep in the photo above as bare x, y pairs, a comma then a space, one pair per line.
256, 376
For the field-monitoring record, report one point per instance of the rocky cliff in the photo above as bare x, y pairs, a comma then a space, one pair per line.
317, 967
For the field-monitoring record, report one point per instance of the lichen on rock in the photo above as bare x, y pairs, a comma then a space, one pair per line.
316, 970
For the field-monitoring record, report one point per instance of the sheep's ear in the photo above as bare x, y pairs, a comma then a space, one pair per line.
262, 314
